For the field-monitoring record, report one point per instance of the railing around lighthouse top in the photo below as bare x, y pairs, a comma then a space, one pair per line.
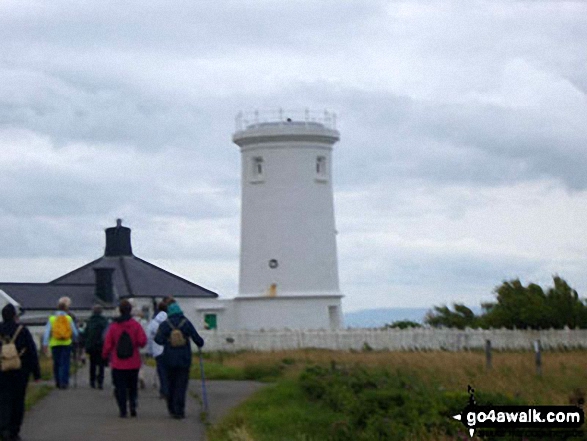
250, 119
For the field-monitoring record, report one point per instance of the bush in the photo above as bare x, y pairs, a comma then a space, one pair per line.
378, 404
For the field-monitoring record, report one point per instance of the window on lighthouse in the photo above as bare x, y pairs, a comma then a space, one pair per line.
321, 167
258, 170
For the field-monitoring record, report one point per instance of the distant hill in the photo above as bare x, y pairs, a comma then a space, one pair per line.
376, 318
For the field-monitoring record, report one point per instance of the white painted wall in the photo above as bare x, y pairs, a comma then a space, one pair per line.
287, 211
287, 312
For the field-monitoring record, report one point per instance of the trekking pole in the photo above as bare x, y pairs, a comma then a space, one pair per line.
75, 365
204, 396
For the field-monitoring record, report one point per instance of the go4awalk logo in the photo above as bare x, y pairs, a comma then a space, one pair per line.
518, 417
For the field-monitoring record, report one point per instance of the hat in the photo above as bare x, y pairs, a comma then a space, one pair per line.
174, 309
8, 313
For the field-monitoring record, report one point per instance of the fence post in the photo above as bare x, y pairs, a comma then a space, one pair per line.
538, 356
488, 354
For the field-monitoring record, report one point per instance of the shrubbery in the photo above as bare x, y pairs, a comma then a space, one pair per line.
378, 404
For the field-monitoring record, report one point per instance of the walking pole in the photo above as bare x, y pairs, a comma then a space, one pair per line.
204, 396
75, 365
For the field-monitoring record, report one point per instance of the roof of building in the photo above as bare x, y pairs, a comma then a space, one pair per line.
130, 277
135, 277
44, 296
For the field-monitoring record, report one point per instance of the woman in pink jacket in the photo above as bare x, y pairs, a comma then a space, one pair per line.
121, 345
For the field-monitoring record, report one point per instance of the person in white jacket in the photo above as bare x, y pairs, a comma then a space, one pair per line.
155, 350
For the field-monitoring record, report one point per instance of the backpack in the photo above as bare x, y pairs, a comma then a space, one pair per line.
124, 346
176, 338
61, 328
95, 334
10, 357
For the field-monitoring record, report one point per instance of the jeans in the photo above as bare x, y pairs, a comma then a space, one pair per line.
162, 374
61, 357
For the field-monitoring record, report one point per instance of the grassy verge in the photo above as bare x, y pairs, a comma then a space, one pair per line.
434, 384
279, 412
35, 392
513, 373
240, 366
46, 367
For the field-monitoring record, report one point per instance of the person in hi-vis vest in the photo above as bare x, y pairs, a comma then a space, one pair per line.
60, 333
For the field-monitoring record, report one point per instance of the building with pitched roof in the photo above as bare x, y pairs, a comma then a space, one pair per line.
118, 274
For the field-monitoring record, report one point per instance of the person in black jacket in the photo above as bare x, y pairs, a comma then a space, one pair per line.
13, 383
177, 360
93, 337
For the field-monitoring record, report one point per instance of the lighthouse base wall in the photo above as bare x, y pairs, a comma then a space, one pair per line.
265, 313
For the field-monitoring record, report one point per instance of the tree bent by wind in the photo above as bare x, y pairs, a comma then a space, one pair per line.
519, 306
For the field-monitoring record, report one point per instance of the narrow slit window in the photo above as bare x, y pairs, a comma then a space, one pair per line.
321, 166
258, 167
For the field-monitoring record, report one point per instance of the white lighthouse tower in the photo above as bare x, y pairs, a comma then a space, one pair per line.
288, 263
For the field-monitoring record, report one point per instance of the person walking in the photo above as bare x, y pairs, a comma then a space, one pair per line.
175, 334
155, 350
14, 378
93, 337
60, 333
121, 345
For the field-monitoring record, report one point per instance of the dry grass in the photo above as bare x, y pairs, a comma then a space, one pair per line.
513, 373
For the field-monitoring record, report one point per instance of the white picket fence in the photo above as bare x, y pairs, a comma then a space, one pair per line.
414, 339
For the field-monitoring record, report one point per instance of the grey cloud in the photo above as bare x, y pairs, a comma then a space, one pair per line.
183, 27
68, 114
397, 138
424, 277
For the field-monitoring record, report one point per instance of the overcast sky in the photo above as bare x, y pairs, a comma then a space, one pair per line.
463, 134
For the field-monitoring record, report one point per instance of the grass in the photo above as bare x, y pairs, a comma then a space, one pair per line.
282, 412
35, 393
279, 412
513, 373
46, 368
239, 366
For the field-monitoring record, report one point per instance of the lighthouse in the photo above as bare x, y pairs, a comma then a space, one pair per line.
288, 274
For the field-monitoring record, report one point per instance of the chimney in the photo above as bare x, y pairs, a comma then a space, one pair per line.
104, 289
118, 240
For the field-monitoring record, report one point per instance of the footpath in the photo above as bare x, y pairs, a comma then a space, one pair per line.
85, 414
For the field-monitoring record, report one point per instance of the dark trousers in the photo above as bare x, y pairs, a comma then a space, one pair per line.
178, 384
162, 374
61, 357
12, 391
96, 368
125, 388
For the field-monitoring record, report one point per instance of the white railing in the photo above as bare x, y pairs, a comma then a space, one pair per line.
246, 119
